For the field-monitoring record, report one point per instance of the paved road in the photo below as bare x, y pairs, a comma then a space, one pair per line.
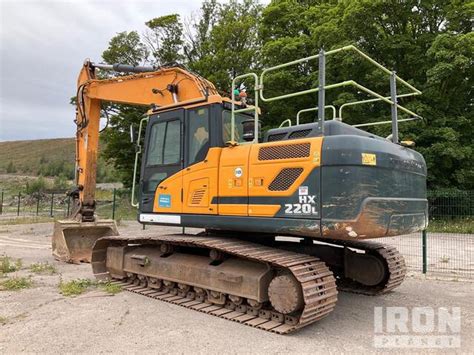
41, 320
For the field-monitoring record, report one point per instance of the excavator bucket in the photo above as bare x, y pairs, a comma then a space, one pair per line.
73, 240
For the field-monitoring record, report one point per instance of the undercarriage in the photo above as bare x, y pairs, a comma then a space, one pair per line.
278, 288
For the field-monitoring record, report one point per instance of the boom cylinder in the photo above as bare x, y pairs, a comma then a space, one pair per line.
125, 68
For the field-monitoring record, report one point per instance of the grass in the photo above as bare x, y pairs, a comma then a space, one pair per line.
459, 226
109, 287
43, 268
26, 220
16, 283
8, 265
3, 320
76, 287
27, 156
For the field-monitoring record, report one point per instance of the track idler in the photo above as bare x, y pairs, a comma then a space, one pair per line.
360, 267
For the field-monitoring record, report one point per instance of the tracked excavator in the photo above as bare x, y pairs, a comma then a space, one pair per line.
285, 215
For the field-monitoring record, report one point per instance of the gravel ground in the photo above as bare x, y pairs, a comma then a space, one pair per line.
40, 319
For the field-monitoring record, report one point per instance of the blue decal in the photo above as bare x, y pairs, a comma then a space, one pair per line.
164, 201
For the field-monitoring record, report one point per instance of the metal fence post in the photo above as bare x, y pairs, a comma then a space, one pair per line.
425, 266
52, 205
1, 204
37, 204
393, 96
68, 205
18, 208
113, 204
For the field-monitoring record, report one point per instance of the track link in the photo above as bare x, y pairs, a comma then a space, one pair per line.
394, 261
316, 280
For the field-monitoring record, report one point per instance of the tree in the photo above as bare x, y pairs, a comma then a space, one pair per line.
219, 42
427, 42
224, 42
125, 48
164, 39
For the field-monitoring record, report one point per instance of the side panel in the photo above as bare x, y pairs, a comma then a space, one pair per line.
200, 184
371, 188
284, 179
168, 195
233, 180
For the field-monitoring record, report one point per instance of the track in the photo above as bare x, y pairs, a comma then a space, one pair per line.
394, 261
315, 279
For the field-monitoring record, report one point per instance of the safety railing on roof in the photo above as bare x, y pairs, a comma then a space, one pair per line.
322, 87
254, 108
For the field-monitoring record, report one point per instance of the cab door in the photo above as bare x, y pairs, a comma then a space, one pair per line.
162, 162
200, 175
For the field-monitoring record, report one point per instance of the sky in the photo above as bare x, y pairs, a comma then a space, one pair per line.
43, 44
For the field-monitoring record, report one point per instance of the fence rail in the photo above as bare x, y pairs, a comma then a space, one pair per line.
113, 204
445, 249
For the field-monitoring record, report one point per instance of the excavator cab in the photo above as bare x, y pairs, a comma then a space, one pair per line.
169, 148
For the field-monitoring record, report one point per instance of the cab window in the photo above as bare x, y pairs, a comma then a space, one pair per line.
164, 143
198, 136
226, 126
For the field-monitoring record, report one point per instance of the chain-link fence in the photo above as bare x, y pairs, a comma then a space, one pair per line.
57, 204
446, 248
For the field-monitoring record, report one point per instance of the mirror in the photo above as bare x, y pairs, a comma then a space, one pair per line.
248, 130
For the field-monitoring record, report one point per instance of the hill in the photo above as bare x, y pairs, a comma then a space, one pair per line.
36, 157
46, 157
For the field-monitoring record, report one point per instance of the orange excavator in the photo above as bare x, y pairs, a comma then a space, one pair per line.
284, 215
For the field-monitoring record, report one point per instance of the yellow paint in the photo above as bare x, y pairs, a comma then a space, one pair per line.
263, 210
369, 159
233, 210
200, 184
271, 168
317, 157
170, 186
233, 167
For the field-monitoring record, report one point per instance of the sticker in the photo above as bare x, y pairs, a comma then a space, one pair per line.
238, 172
369, 159
316, 158
164, 201
306, 205
303, 190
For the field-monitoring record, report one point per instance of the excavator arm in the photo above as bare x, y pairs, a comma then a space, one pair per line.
158, 88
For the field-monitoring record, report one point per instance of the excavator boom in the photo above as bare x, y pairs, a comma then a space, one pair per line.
159, 88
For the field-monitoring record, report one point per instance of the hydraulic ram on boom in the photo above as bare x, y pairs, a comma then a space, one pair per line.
164, 87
